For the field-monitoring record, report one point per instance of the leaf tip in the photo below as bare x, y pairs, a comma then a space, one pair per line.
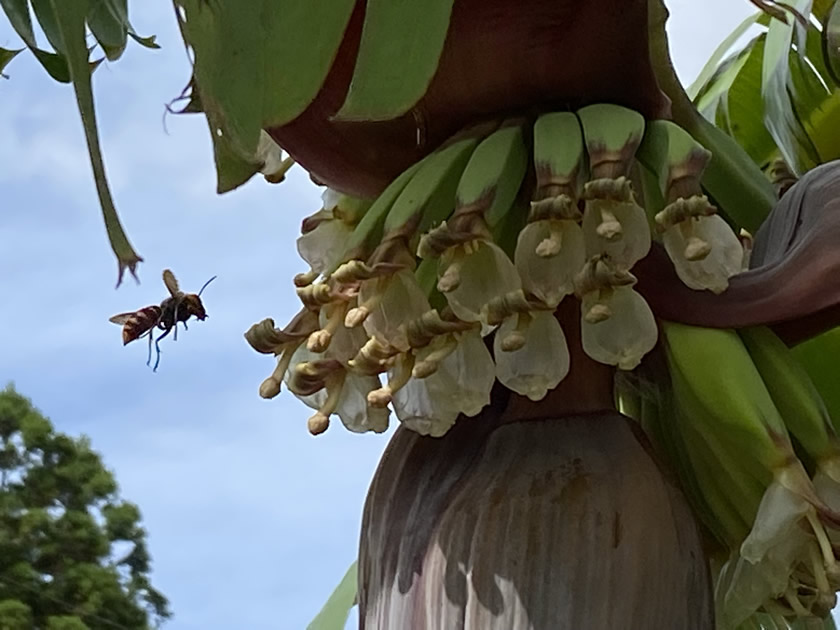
131, 265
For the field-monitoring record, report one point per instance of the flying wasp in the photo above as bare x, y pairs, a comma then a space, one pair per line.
177, 308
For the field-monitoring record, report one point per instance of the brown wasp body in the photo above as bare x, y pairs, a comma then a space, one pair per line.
175, 309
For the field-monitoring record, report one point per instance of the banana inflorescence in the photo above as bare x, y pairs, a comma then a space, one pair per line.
488, 235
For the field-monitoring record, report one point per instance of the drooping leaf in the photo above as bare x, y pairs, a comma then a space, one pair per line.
807, 84
18, 13
745, 108
715, 89
734, 97
55, 64
717, 56
6, 56
821, 8
336, 610
780, 116
147, 42
228, 56
108, 21
402, 41
70, 20
831, 42
46, 18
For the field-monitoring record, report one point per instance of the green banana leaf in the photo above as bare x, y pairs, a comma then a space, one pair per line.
776, 95
6, 56
718, 55
336, 610
65, 24
831, 42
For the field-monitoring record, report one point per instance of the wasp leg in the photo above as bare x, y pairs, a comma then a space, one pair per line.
157, 348
149, 360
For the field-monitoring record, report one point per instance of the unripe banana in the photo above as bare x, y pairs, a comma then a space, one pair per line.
558, 159
351, 210
665, 423
612, 134
613, 222
732, 397
677, 158
820, 357
732, 486
494, 174
793, 392
430, 195
704, 249
368, 231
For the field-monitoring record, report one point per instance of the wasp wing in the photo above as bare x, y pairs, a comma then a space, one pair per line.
171, 283
122, 318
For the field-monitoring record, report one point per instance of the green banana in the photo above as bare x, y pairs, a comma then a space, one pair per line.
731, 396
430, 195
688, 225
820, 357
732, 485
558, 156
679, 160
744, 464
612, 134
793, 392
663, 422
494, 174
613, 222
368, 231
352, 210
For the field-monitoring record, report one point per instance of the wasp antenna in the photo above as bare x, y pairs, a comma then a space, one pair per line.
206, 283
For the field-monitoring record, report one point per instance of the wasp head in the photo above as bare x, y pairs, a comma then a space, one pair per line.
192, 304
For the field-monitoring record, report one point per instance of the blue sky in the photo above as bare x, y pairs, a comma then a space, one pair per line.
251, 520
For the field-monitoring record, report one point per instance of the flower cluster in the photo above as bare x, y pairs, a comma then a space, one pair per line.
402, 292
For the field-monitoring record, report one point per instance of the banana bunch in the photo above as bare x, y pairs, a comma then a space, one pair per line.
489, 234
744, 427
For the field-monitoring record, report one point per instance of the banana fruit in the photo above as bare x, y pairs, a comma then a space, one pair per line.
704, 249
733, 400
494, 174
612, 134
614, 224
793, 392
820, 357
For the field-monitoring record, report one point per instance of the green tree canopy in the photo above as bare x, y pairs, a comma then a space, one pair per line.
73, 554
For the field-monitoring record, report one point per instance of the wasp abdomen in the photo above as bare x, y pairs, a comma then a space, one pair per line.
143, 320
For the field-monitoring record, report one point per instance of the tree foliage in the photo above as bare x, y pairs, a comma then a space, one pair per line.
73, 554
